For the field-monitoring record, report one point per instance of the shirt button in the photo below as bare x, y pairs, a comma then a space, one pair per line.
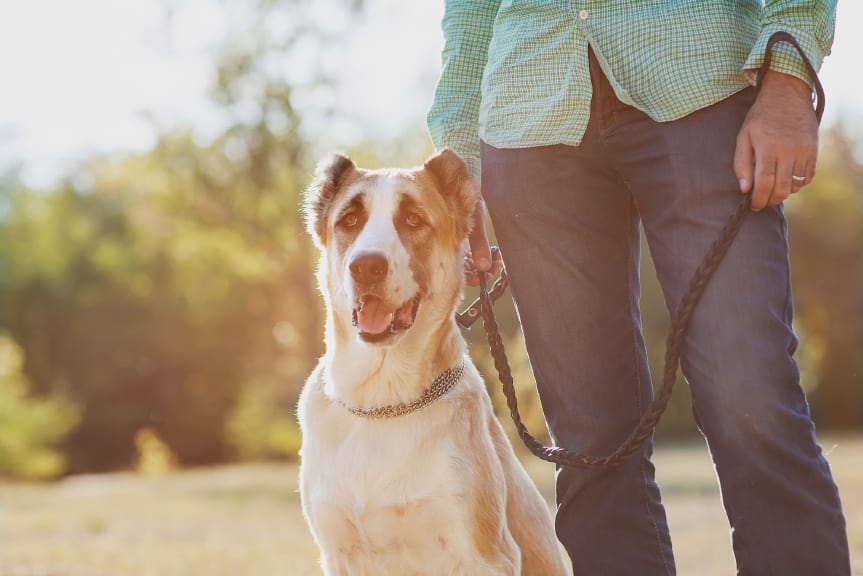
583, 14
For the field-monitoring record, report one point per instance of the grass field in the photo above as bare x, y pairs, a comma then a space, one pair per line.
246, 520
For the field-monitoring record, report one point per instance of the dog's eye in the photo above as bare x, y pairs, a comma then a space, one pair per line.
414, 220
349, 220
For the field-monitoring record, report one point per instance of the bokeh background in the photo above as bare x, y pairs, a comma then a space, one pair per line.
158, 312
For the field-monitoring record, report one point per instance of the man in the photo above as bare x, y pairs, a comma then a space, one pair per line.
591, 118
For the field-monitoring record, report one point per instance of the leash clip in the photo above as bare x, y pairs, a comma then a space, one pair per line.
471, 314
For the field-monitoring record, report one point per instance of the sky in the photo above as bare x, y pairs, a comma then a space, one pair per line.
96, 76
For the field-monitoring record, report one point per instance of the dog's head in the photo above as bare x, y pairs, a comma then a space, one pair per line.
391, 241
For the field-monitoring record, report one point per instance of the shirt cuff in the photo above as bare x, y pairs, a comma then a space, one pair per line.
464, 141
785, 57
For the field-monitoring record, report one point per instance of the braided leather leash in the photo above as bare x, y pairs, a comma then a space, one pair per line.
674, 342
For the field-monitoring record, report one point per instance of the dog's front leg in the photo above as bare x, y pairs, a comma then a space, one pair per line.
337, 538
338, 565
358, 564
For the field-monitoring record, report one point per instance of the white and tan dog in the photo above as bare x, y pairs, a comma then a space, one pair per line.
405, 469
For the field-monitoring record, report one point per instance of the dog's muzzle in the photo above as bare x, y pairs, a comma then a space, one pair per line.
377, 321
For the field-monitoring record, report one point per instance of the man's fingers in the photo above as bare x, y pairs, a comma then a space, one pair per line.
810, 169
798, 176
782, 182
496, 261
744, 160
765, 178
471, 273
479, 248
478, 256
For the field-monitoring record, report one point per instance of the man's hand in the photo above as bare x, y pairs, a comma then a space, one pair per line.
778, 140
479, 257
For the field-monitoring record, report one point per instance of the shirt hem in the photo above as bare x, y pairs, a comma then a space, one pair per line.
504, 140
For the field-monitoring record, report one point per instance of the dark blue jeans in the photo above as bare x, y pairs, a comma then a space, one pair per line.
567, 220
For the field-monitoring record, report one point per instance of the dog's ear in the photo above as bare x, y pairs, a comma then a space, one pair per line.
457, 187
331, 175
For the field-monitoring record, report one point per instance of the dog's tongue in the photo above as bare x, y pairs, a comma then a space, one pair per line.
374, 317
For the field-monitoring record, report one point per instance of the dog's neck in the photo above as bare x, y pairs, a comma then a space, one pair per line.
367, 376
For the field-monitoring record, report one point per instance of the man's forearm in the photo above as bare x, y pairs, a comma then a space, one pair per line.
454, 116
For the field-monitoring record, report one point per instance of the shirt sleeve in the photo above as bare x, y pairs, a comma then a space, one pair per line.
811, 22
453, 119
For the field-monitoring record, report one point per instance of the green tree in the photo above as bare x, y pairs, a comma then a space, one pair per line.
32, 429
826, 231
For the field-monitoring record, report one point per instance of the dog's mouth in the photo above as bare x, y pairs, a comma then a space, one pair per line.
376, 320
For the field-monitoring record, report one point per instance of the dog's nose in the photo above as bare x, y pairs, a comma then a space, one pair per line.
368, 267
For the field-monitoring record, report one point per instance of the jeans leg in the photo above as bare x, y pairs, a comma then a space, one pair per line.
777, 489
569, 235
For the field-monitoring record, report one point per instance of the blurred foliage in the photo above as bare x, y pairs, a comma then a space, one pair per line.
154, 457
826, 228
32, 428
262, 424
170, 294
150, 292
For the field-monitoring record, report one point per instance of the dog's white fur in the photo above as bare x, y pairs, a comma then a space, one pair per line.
439, 490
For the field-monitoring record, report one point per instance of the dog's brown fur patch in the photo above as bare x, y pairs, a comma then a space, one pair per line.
450, 174
332, 175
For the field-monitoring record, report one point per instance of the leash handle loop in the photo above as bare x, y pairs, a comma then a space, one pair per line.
813, 75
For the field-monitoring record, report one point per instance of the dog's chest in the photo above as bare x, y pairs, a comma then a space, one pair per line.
388, 485
384, 462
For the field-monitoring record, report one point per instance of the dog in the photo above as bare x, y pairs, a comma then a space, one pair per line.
404, 467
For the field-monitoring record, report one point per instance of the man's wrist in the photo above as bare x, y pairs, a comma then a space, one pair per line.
781, 81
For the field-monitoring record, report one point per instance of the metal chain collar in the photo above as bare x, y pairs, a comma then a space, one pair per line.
439, 387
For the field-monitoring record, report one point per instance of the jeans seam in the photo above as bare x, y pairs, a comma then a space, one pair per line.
788, 312
630, 283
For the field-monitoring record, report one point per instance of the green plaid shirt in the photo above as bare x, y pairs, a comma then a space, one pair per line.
515, 72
